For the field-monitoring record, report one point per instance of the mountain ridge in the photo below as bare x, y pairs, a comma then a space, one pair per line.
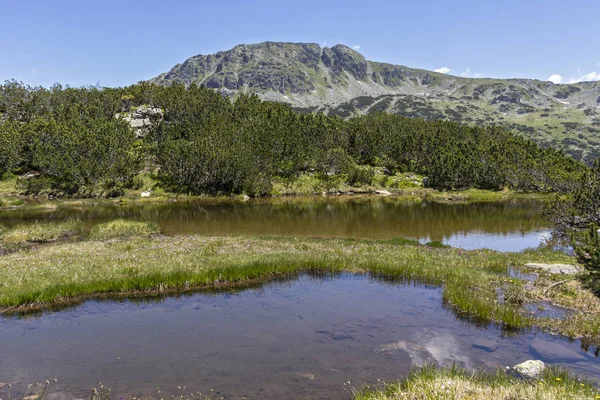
340, 81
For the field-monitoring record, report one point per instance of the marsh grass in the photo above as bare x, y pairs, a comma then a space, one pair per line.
41, 232
121, 228
474, 283
455, 383
11, 202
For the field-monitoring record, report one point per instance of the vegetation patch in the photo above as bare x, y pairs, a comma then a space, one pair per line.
121, 228
41, 232
474, 283
69, 143
431, 383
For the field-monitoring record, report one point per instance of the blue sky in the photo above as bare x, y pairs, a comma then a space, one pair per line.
116, 43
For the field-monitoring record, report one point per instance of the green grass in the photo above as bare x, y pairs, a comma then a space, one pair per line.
454, 383
8, 184
41, 232
120, 228
11, 202
474, 283
479, 195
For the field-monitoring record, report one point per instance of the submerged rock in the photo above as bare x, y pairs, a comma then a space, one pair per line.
530, 368
307, 375
487, 345
565, 269
554, 352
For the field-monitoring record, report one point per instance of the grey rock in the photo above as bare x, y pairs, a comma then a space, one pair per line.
565, 269
139, 123
554, 352
486, 345
530, 368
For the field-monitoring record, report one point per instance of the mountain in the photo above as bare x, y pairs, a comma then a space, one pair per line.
340, 81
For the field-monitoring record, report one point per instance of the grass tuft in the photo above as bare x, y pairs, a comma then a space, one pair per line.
41, 232
121, 229
456, 383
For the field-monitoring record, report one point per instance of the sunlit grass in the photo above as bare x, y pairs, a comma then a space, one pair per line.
121, 228
41, 232
474, 283
431, 383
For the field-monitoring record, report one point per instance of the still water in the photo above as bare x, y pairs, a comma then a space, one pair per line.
300, 339
506, 226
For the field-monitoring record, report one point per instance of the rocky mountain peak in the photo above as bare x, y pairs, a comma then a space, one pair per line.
339, 80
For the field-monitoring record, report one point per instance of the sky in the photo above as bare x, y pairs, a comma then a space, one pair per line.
117, 43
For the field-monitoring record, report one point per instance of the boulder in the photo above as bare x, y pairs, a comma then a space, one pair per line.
147, 193
486, 345
554, 352
382, 192
530, 368
565, 269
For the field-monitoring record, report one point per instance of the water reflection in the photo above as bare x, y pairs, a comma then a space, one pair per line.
511, 225
299, 339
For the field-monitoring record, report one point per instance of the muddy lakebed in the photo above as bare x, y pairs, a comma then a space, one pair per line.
312, 337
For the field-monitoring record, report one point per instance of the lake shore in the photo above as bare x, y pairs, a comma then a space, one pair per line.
456, 383
475, 283
406, 186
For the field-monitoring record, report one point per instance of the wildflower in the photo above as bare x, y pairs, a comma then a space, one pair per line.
558, 379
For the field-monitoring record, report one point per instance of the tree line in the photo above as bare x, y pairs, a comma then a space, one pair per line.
204, 143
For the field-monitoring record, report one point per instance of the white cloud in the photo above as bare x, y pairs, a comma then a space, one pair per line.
443, 70
478, 76
357, 47
591, 76
466, 73
555, 78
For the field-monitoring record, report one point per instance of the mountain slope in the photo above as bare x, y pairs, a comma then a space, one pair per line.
340, 81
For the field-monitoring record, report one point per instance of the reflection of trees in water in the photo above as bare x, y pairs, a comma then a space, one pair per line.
349, 216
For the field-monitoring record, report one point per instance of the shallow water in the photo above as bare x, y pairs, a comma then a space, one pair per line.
513, 225
301, 339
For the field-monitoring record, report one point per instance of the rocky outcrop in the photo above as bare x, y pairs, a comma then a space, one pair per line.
141, 118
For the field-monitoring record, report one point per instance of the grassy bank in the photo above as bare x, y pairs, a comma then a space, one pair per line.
410, 186
120, 228
430, 383
474, 283
40, 232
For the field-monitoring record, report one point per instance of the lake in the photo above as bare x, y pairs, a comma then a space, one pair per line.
506, 226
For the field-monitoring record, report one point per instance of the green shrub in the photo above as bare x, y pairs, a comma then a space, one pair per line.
42, 232
360, 175
120, 228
